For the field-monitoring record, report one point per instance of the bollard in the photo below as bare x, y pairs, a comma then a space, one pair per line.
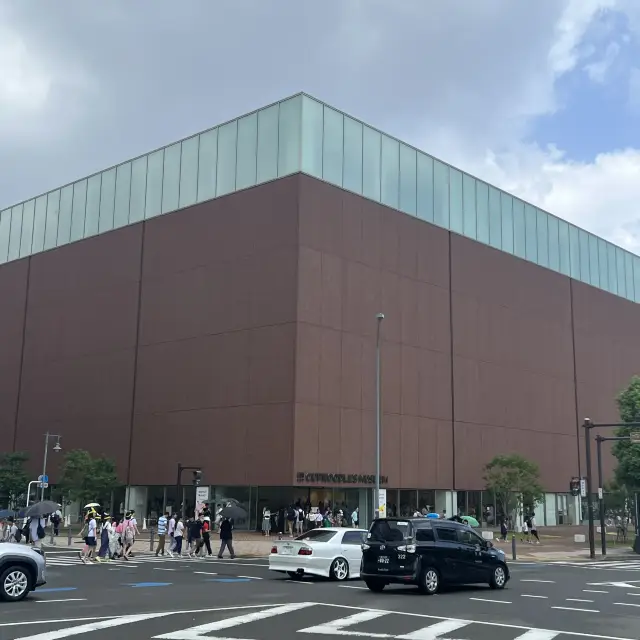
151, 532
513, 547
69, 535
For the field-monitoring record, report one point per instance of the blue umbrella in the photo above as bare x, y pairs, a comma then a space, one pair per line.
7, 513
433, 516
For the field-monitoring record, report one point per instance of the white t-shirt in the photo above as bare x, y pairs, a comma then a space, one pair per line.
172, 526
179, 530
33, 528
91, 531
533, 523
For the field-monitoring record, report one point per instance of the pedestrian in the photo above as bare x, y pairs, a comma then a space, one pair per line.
12, 532
178, 535
503, 530
534, 528
281, 520
299, 520
129, 531
162, 532
206, 534
36, 531
355, 517
226, 538
195, 535
524, 534
103, 554
292, 516
171, 529
266, 522
89, 549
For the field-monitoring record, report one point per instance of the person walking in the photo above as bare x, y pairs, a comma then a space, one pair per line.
226, 538
36, 531
299, 520
171, 529
195, 536
178, 535
162, 533
206, 535
533, 527
89, 549
103, 554
129, 531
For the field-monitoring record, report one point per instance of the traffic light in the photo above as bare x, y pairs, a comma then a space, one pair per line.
574, 486
197, 477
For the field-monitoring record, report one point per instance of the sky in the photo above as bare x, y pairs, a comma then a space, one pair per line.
539, 98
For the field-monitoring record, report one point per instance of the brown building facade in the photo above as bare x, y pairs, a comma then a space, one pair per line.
238, 335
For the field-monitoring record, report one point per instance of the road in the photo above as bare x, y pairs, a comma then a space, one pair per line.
183, 599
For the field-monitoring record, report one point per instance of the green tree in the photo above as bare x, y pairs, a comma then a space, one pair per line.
13, 477
88, 479
627, 472
515, 481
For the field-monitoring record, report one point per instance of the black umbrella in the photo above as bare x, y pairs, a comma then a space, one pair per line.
234, 512
40, 509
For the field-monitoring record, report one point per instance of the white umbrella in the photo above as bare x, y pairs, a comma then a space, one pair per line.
91, 504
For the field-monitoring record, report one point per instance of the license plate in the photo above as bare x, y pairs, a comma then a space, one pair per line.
383, 559
286, 550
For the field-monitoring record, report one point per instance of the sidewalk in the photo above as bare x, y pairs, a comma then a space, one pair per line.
556, 544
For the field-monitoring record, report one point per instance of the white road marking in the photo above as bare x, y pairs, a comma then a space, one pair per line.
629, 594
336, 627
206, 573
488, 600
162, 569
538, 634
532, 580
299, 582
576, 609
352, 586
92, 626
250, 577
432, 632
577, 600
195, 633
595, 591
63, 600
526, 595
627, 604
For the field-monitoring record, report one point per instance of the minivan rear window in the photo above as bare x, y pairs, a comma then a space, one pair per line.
389, 530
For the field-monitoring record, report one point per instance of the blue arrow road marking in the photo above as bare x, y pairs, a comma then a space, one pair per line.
52, 590
138, 585
228, 580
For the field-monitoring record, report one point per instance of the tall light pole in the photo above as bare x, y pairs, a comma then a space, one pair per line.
56, 448
376, 498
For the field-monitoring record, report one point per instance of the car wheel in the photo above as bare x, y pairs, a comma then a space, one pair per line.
429, 581
339, 569
498, 578
15, 583
375, 585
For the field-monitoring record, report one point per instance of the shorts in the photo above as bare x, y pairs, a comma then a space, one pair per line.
91, 541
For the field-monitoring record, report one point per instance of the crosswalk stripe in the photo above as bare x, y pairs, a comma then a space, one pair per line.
434, 631
336, 627
196, 633
538, 634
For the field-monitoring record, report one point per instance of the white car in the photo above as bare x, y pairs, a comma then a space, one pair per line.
331, 552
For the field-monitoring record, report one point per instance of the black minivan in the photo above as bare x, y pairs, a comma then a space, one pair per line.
429, 552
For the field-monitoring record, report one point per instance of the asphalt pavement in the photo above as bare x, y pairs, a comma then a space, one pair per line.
187, 599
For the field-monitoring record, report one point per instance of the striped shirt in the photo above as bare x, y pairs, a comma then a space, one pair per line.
162, 525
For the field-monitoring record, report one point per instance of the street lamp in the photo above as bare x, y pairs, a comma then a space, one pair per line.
376, 497
57, 448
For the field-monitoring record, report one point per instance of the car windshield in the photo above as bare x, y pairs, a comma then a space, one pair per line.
317, 535
389, 530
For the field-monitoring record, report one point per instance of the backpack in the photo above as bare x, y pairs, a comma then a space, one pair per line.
291, 514
40, 531
128, 533
18, 534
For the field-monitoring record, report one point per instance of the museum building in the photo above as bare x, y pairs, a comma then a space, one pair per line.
214, 304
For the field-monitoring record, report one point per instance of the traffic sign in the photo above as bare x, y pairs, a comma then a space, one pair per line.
43, 478
634, 436
43, 485
583, 487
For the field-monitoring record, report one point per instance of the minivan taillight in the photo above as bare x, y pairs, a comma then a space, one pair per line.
274, 549
305, 551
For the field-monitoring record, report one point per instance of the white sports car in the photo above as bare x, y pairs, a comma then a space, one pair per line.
330, 552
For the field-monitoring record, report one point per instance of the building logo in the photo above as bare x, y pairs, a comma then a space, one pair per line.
338, 478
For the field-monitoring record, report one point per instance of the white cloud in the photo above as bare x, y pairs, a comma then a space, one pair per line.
597, 71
